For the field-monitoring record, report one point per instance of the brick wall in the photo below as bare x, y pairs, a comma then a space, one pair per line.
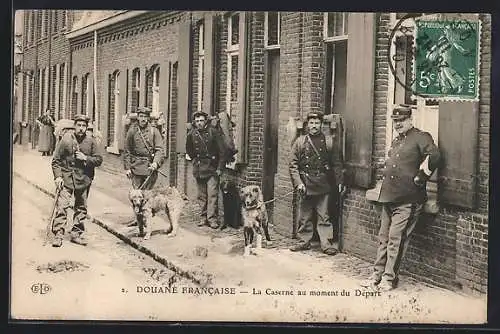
449, 249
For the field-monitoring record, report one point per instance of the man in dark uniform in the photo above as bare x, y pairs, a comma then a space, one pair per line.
144, 152
412, 159
204, 145
73, 165
312, 169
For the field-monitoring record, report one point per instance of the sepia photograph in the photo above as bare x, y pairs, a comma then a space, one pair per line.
249, 166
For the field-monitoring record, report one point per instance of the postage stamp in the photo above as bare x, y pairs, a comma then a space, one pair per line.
446, 63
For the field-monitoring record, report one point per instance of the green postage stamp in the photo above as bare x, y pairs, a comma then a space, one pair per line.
447, 59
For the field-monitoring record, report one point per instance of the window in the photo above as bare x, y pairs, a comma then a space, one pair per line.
55, 20
335, 36
62, 81
232, 63
64, 19
45, 22
136, 89
272, 29
52, 90
335, 26
155, 105
114, 106
74, 96
39, 24
425, 114
85, 90
201, 65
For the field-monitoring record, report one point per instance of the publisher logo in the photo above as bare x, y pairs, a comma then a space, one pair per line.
41, 288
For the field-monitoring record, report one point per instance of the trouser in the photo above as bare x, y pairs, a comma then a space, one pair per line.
208, 197
63, 206
312, 228
397, 223
138, 180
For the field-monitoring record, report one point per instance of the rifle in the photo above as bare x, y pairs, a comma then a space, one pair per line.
50, 225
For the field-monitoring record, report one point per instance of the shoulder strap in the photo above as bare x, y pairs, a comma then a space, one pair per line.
144, 140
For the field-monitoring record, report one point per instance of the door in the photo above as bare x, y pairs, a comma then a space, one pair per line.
272, 67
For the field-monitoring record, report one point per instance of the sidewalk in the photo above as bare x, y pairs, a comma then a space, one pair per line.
215, 258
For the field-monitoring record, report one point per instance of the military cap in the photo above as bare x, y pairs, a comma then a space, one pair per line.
65, 124
144, 110
81, 117
200, 113
401, 112
314, 114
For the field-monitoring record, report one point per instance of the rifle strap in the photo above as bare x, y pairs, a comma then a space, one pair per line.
145, 141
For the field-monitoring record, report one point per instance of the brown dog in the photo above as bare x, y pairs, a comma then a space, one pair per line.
147, 203
254, 214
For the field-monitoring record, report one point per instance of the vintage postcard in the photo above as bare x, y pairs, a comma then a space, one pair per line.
299, 167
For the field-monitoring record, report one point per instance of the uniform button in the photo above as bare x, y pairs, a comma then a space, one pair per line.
393, 166
397, 155
392, 176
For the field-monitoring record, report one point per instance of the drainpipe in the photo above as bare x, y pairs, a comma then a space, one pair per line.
96, 104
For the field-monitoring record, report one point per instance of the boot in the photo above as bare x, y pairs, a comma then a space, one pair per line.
301, 247
79, 240
58, 239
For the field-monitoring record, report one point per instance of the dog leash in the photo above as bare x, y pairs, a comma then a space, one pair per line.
279, 197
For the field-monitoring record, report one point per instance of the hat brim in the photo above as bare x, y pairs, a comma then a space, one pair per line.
400, 118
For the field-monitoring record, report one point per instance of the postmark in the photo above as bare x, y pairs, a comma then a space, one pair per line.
445, 57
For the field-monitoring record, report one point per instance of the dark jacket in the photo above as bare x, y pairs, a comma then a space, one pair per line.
319, 174
407, 153
76, 174
205, 147
138, 155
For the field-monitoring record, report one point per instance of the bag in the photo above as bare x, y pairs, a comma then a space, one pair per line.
223, 125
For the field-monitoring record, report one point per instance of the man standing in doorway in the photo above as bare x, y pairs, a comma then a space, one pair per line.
412, 159
73, 164
144, 152
204, 145
312, 169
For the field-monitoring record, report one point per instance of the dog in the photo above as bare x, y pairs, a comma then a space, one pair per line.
255, 219
147, 203
231, 203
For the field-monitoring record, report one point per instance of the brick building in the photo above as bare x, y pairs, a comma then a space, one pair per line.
263, 68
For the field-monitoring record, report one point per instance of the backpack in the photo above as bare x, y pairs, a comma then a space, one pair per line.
223, 125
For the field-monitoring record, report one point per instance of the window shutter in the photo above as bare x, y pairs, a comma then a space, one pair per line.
119, 126
104, 128
359, 104
184, 80
458, 142
209, 67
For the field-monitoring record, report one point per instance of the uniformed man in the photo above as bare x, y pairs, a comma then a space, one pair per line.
204, 145
73, 164
412, 159
313, 167
144, 152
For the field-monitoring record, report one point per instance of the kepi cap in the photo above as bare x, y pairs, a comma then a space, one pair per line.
81, 117
401, 112
143, 110
314, 114
200, 113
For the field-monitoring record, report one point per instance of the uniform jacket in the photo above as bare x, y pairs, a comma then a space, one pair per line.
319, 174
205, 147
77, 174
138, 155
407, 153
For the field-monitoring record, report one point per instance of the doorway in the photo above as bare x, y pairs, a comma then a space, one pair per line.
271, 120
